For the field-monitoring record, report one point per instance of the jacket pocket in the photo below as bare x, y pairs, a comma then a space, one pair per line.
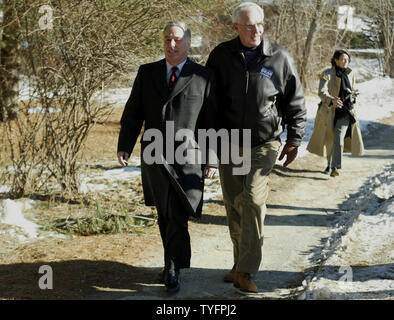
268, 124
192, 99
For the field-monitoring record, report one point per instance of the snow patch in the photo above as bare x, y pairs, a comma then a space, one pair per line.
111, 176
42, 110
357, 262
11, 214
114, 97
212, 189
4, 189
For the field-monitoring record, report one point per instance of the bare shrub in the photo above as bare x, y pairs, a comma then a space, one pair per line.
91, 44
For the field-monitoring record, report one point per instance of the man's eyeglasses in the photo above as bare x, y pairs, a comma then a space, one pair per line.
251, 27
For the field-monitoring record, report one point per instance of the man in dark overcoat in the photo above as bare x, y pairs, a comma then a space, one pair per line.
172, 98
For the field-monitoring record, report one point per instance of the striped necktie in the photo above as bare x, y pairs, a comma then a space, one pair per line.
173, 78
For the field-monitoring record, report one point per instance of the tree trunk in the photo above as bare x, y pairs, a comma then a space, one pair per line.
386, 26
297, 46
313, 28
9, 66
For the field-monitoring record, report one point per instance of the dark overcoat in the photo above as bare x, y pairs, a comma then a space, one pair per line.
190, 105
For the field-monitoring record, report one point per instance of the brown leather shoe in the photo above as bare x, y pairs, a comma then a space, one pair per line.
244, 283
334, 172
229, 277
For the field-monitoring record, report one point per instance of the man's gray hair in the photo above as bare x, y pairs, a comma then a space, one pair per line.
181, 25
246, 6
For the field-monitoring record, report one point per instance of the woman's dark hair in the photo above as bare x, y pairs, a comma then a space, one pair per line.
337, 54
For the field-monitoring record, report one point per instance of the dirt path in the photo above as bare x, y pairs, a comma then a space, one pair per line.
303, 206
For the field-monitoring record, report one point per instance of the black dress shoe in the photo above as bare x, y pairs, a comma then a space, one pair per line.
171, 280
160, 275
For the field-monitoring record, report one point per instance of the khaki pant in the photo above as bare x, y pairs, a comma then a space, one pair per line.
245, 199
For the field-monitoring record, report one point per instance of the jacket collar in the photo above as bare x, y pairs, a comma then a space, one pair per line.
266, 48
334, 72
183, 80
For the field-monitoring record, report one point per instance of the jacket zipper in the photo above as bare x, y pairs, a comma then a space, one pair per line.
247, 81
246, 89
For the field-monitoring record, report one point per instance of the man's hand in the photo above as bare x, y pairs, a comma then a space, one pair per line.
209, 172
123, 157
291, 153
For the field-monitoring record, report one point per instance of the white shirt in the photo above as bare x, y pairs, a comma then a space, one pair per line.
169, 70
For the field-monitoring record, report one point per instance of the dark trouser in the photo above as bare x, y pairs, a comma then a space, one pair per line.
341, 127
173, 225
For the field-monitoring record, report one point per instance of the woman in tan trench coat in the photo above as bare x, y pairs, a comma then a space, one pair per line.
336, 128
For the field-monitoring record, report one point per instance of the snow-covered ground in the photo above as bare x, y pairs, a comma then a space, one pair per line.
111, 176
13, 214
359, 261
117, 98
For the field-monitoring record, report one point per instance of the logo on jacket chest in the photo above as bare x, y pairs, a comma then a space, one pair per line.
266, 72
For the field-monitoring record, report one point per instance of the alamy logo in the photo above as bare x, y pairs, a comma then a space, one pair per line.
45, 281
46, 21
202, 151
